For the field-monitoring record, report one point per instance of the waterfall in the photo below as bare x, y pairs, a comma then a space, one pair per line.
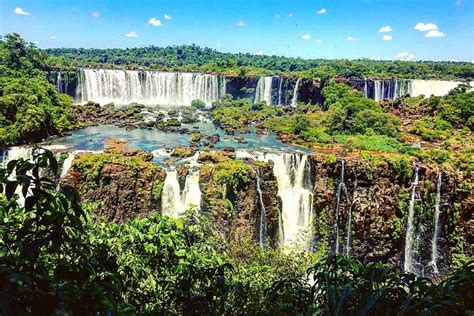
410, 248
391, 89
263, 92
262, 235
293, 173
148, 87
338, 204
59, 82
366, 90
174, 201
280, 90
294, 100
432, 87
434, 241
67, 164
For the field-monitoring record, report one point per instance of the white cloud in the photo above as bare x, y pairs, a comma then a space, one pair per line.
241, 23
434, 33
219, 45
472, 61
168, 17
385, 29
259, 53
422, 27
319, 41
454, 60
155, 22
305, 37
131, 34
352, 39
36, 42
387, 37
20, 11
95, 14
52, 37
273, 53
322, 11
290, 15
405, 56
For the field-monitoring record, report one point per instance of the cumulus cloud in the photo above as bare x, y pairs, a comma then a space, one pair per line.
241, 23
95, 14
319, 41
387, 37
385, 29
352, 39
259, 53
454, 60
434, 33
167, 17
52, 37
405, 56
305, 37
20, 11
322, 11
425, 27
36, 42
131, 34
290, 15
155, 22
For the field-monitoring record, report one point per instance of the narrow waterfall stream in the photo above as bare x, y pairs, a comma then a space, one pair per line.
67, 163
294, 100
262, 234
434, 240
263, 91
411, 237
174, 201
292, 172
338, 205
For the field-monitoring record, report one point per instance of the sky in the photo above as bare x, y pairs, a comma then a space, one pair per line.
333, 29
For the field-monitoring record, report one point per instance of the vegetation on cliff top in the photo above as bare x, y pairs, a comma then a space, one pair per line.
30, 107
195, 58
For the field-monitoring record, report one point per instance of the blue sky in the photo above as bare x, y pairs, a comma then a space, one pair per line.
381, 29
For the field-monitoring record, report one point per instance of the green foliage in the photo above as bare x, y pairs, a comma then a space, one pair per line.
54, 260
195, 58
30, 108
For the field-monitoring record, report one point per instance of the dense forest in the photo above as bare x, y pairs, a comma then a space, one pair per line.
30, 107
63, 251
195, 58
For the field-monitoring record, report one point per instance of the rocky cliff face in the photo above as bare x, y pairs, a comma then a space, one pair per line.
121, 186
375, 196
229, 189
373, 203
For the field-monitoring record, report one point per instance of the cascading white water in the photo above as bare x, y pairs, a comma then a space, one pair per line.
292, 172
263, 92
280, 91
262, 234
338, 205
174, 201
294, 100
410, 237
432, 87
434, 240
392, 89
67, 163
148, 87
